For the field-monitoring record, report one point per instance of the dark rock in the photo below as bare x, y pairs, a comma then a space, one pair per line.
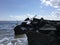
42, 37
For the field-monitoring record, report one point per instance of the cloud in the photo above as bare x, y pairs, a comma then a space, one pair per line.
53, 3
56, 15
17, 17
21, 17
1, 19
58, 9
53, 16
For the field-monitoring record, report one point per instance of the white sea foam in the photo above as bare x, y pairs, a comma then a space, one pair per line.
12, 41
7, 35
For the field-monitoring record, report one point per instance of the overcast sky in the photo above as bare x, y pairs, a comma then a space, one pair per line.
21, 9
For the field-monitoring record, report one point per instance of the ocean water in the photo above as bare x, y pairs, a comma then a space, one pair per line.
7, 34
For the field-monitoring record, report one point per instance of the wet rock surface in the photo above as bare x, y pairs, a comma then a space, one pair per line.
36, 36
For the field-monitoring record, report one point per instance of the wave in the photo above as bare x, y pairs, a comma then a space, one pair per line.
13, 41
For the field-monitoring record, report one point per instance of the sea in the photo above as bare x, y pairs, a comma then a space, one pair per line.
7, 36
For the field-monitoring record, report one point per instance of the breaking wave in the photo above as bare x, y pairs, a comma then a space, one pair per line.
13, 41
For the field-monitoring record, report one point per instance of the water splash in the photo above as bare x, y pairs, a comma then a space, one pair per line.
13, 41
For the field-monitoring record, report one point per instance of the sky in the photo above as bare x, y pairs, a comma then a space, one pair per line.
21, 9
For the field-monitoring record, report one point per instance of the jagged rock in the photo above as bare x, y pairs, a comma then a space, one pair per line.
44, 36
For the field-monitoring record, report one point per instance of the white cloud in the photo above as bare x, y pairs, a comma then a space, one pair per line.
53, 16
17, 17
53, 3
56, 14
1, 19
58, 9
21, 17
